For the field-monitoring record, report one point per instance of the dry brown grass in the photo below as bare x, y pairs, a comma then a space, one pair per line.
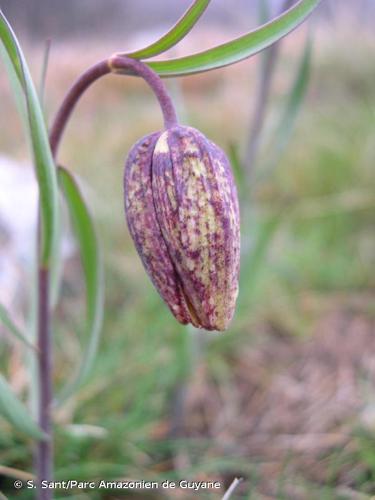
290, 404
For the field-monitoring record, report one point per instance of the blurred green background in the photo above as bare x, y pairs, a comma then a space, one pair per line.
285, 398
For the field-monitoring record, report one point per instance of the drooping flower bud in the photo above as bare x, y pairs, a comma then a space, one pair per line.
182, 211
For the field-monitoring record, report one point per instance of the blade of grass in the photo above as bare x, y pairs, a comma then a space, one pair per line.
44, 165
295, 99
264, 11
31, 330
12, 328
175, 34
18, 93
269, 61
92, 270
237, 168
290, 112
16, 413
253, 260
57, 264
240, 48
56, 260
43, 75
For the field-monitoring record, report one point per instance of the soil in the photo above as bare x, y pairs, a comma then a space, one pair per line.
291, 407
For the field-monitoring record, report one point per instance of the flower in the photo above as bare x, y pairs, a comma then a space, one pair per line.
182, 211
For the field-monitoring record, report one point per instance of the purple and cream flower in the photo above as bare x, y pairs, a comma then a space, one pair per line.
182, 211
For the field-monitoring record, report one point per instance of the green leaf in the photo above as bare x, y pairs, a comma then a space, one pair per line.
44, 164
43, 74
237, 168
253, 260
264, 11
291, 110
18, 93
12, 328
295, 98
93, 273
16, 413
175, 34
56, 265
239, 48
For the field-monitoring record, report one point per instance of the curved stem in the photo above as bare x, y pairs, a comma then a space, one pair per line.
122, 65
118, 65
70, 100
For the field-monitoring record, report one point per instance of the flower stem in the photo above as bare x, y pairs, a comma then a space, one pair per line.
118, 65
125, 65
75, 92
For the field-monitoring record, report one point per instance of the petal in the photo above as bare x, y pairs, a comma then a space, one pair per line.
197, 209
145, 230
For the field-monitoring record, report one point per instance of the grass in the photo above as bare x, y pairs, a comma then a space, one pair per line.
318, 256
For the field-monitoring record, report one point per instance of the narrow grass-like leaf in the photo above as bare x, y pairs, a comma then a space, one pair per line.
295, 99
263, 91
31, 331
43, 74
239, 48
253, 260
18, 93
12, 328
92, 270
56, 265
266, 74
289, 115
175, 34
237, 168
44, 165
16, 413
264, 11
